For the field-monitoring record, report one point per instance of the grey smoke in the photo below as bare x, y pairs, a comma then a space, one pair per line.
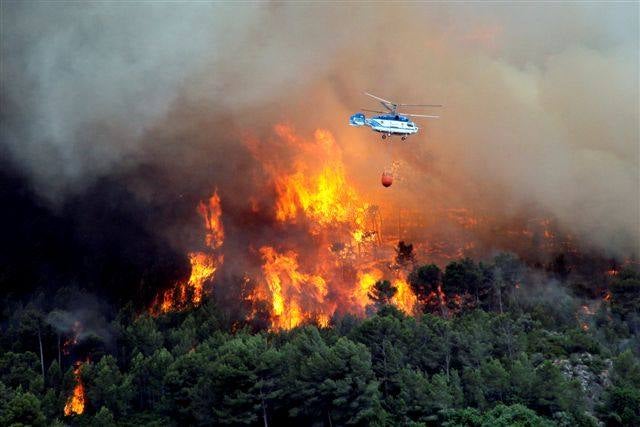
541, 100
80, 323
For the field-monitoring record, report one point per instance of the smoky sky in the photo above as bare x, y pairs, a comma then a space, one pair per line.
541, 101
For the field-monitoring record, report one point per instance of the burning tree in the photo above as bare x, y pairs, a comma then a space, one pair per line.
204, 264
382, 293
75, 402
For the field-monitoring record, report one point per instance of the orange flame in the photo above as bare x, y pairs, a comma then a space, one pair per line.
75, 402
212, 214
324, 198
317, 195
404, 298
587, 310
331, 272
295, 297
203, 268
203, 265
584, 315
366, 281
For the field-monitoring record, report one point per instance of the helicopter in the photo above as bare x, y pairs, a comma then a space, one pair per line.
390, 122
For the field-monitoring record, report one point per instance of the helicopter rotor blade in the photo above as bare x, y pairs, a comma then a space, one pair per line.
379, 99
421, 115
373, 111
389, 107
420, 105
384, 102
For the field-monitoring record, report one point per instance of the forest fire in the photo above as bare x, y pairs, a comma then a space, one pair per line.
324, 197
214, 216
404, 298
309, 284
203, 264
76, 329
585, 313
211, 213
303, 277
295, 297
366, 280
75, 402
324, 252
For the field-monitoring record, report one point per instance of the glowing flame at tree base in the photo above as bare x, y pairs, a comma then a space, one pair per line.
295, 297
203, 268
75, 402
404, 298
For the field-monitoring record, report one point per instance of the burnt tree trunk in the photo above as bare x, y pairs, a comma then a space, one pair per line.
41, 353
59, 356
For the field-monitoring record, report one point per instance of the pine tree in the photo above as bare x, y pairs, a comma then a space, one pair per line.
382, 293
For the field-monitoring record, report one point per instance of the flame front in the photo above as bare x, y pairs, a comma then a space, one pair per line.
317, 194
366, 281
295, 297
203, 264
75, 402
211, 213
324, 198
319, 263
404, 298
316, 246
203, 267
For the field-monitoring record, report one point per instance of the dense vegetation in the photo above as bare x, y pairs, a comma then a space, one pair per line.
502, 348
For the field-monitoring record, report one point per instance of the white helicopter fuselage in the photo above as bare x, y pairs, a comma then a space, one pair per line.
388, 124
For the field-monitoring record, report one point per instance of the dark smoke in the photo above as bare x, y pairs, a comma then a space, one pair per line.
117, 118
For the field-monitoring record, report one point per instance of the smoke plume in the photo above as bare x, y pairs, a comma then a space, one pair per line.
540, 118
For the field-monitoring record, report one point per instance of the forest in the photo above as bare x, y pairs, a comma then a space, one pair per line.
492, 344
